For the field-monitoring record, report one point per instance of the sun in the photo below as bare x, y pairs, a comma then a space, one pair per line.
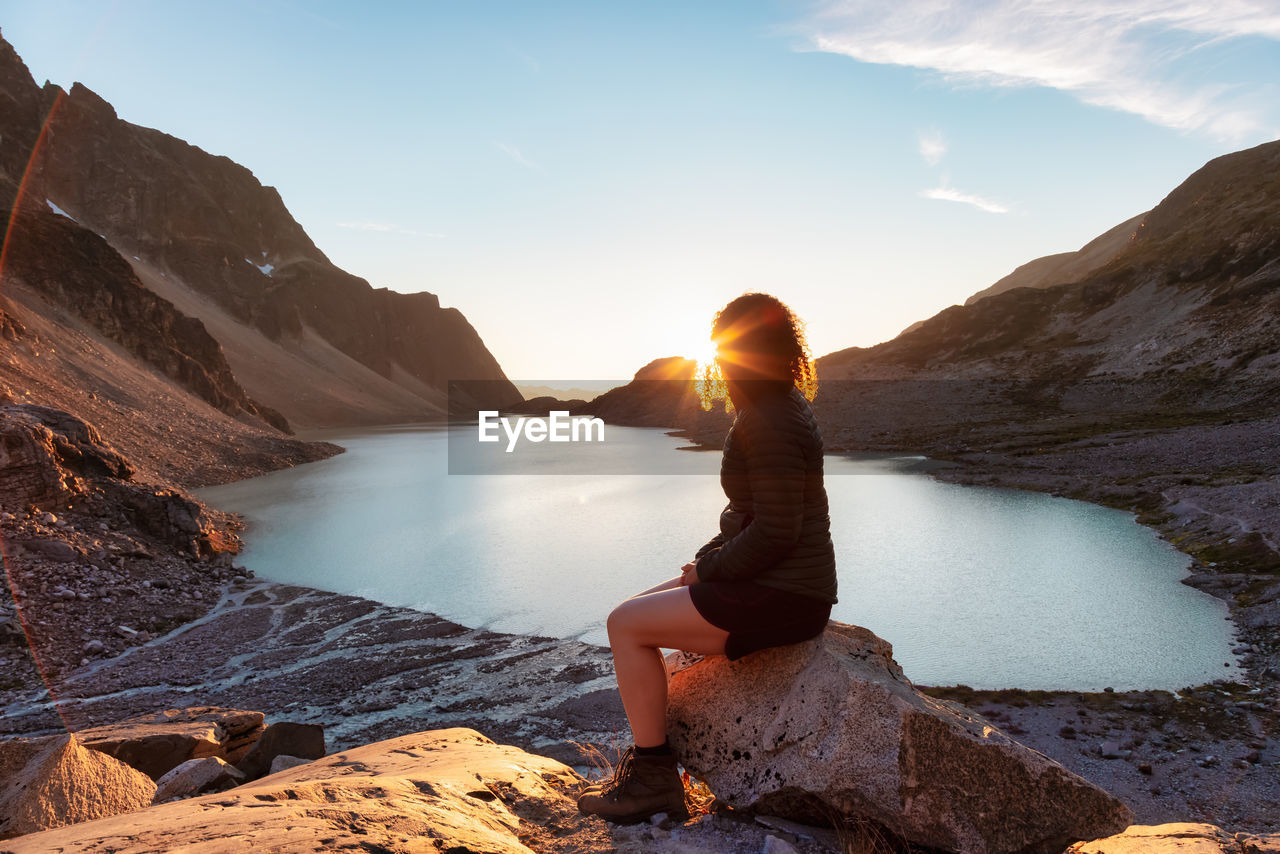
708, 380
705, 355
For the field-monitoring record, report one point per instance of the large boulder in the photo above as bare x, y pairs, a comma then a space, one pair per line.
444, 790
54, 781
284, 738
155, 744
832, 726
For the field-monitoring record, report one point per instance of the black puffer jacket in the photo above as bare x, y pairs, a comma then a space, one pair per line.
776, 530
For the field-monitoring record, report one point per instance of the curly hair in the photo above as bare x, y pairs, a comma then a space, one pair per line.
763, 335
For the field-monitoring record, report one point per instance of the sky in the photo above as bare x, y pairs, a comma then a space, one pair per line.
590, 182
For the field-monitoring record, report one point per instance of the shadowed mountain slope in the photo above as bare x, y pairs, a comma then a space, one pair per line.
303, 337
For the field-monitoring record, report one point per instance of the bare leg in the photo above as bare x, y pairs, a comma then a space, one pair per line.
669, 584
637, 629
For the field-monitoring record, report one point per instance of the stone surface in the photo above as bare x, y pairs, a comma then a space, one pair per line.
434, 791
1177, 838
54, 781
41, 452
284, 763
1254, 844
157, 743
832, 723
305, 741
195, 776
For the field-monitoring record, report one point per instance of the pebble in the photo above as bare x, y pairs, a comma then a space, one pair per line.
1112, 750
94, 646
48, 519
775, 845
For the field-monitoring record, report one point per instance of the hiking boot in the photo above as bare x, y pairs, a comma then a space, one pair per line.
596, 788
642, 786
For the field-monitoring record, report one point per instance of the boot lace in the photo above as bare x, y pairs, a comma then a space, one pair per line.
623, 772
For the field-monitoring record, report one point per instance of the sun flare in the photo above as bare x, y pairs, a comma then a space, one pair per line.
705, 356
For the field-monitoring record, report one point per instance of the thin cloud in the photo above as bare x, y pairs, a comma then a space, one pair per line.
1140, 56
950, 194
515, 154
932, 147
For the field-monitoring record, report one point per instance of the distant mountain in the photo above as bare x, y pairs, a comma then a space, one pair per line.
573, 392
1183, 318
661, 394
1065, 266
300, 335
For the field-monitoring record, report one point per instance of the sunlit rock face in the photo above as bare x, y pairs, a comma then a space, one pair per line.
833, 725
1179, 838
55, 781
157, 743
443, 790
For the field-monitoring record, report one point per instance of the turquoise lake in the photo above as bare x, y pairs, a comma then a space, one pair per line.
992, 588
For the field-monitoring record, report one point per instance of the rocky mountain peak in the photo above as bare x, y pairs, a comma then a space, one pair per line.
87, 99
204, 233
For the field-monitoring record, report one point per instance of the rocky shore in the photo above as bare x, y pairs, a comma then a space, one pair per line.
125, 599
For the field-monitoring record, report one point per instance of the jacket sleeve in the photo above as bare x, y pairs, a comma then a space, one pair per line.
714, 543
775, 463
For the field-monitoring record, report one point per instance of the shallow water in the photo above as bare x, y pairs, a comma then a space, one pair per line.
987, 587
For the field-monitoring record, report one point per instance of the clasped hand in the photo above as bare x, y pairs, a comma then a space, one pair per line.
689, 573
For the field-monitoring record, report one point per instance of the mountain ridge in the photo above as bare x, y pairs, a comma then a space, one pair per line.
208, 223
1194, 289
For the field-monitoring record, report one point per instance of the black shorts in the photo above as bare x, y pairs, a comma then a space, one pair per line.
757, 616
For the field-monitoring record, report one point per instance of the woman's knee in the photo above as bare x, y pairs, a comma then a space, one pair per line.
619, 623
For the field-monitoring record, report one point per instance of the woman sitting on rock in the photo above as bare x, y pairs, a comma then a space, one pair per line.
767, 579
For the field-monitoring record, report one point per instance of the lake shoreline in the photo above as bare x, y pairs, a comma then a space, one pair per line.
1211, 758
984, 587
368, 671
